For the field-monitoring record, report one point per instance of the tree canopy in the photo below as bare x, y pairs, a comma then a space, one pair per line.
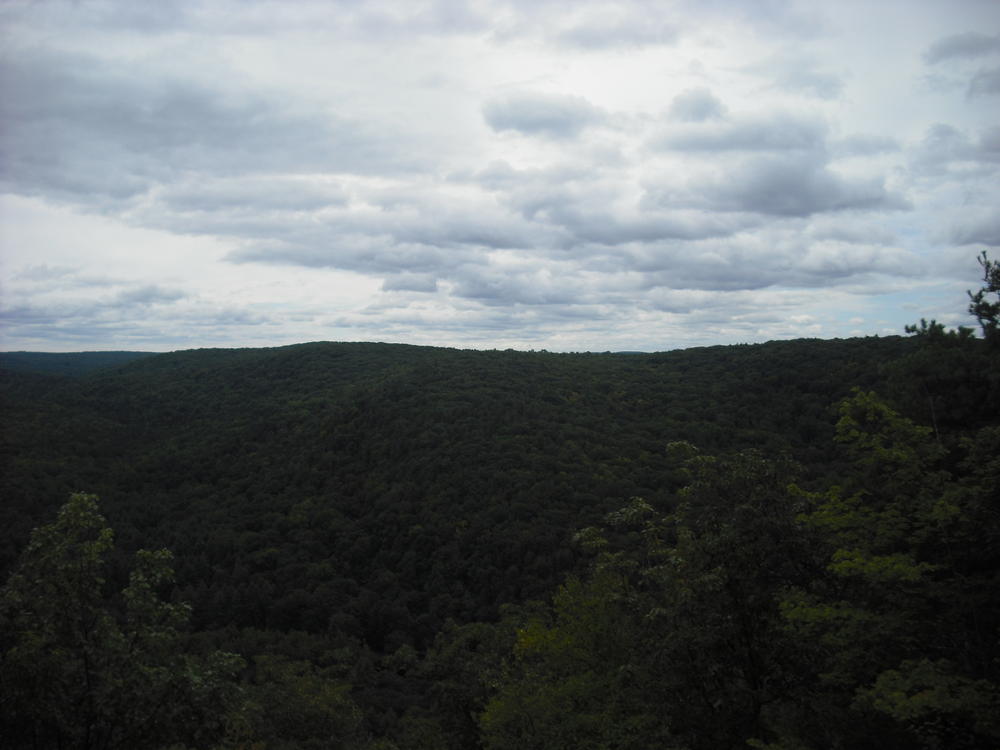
82, 668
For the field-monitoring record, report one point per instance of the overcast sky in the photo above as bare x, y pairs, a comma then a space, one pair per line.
521, 173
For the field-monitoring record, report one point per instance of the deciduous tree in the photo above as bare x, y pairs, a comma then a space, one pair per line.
84, 669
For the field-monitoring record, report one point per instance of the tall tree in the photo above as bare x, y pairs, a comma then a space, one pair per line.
952, 380
902, 622
83, 669
675, 638
985, 311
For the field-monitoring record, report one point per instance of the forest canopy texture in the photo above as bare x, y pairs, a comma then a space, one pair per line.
785, 546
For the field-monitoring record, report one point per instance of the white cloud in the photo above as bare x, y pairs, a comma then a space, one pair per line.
506, 173
552, 115
776, 132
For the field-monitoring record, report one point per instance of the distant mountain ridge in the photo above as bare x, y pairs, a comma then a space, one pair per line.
358, 425
72, 364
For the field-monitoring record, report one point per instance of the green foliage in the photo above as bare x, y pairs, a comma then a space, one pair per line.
951, 381
461, 670
82, 670
571, 678
462, 474
948, 382
293, 705
762, 614
941, 706
902, 625
72, 364
674, 639
985, 311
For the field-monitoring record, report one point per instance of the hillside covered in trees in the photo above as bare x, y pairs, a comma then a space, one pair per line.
788, 545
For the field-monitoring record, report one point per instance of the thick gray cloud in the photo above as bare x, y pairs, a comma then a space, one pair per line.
947, 151
79, 324
696, 105
778, 132
361, 253
80, 128
496, 288
410, 282
965, 47
555, 116
864, 145
255, 193
989, 143
792, 186
980, 230
148, 295
985, 82
970, 44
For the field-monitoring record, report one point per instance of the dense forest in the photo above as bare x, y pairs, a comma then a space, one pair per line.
782, 546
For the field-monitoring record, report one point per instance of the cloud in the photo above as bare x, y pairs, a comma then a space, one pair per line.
254, 193
352, 252
864, 145
696, 105
388, 20
776, 132
44, 278
606, 29
798, 74
552, 115
566, 209
804, 77
811, 82
946, 150
98, 133
989, 143
985, 82
587, 27
828, 260
496, 287
791, 186
983, 229
966, 47
970, 44
410, 282
376, 19
147, 295
869, 230
43, 272
782, 258
70, 301
607, 175
76, 325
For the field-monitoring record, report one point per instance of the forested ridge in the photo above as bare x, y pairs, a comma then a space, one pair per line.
785, 545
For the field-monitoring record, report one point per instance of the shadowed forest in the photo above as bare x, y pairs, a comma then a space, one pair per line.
781, 546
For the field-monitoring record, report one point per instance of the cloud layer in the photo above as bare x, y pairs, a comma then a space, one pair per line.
645, 176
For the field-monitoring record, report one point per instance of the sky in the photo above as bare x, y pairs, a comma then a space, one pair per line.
569, 176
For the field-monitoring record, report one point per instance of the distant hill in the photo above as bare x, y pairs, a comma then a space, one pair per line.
72, 364
483, 461
370, 511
